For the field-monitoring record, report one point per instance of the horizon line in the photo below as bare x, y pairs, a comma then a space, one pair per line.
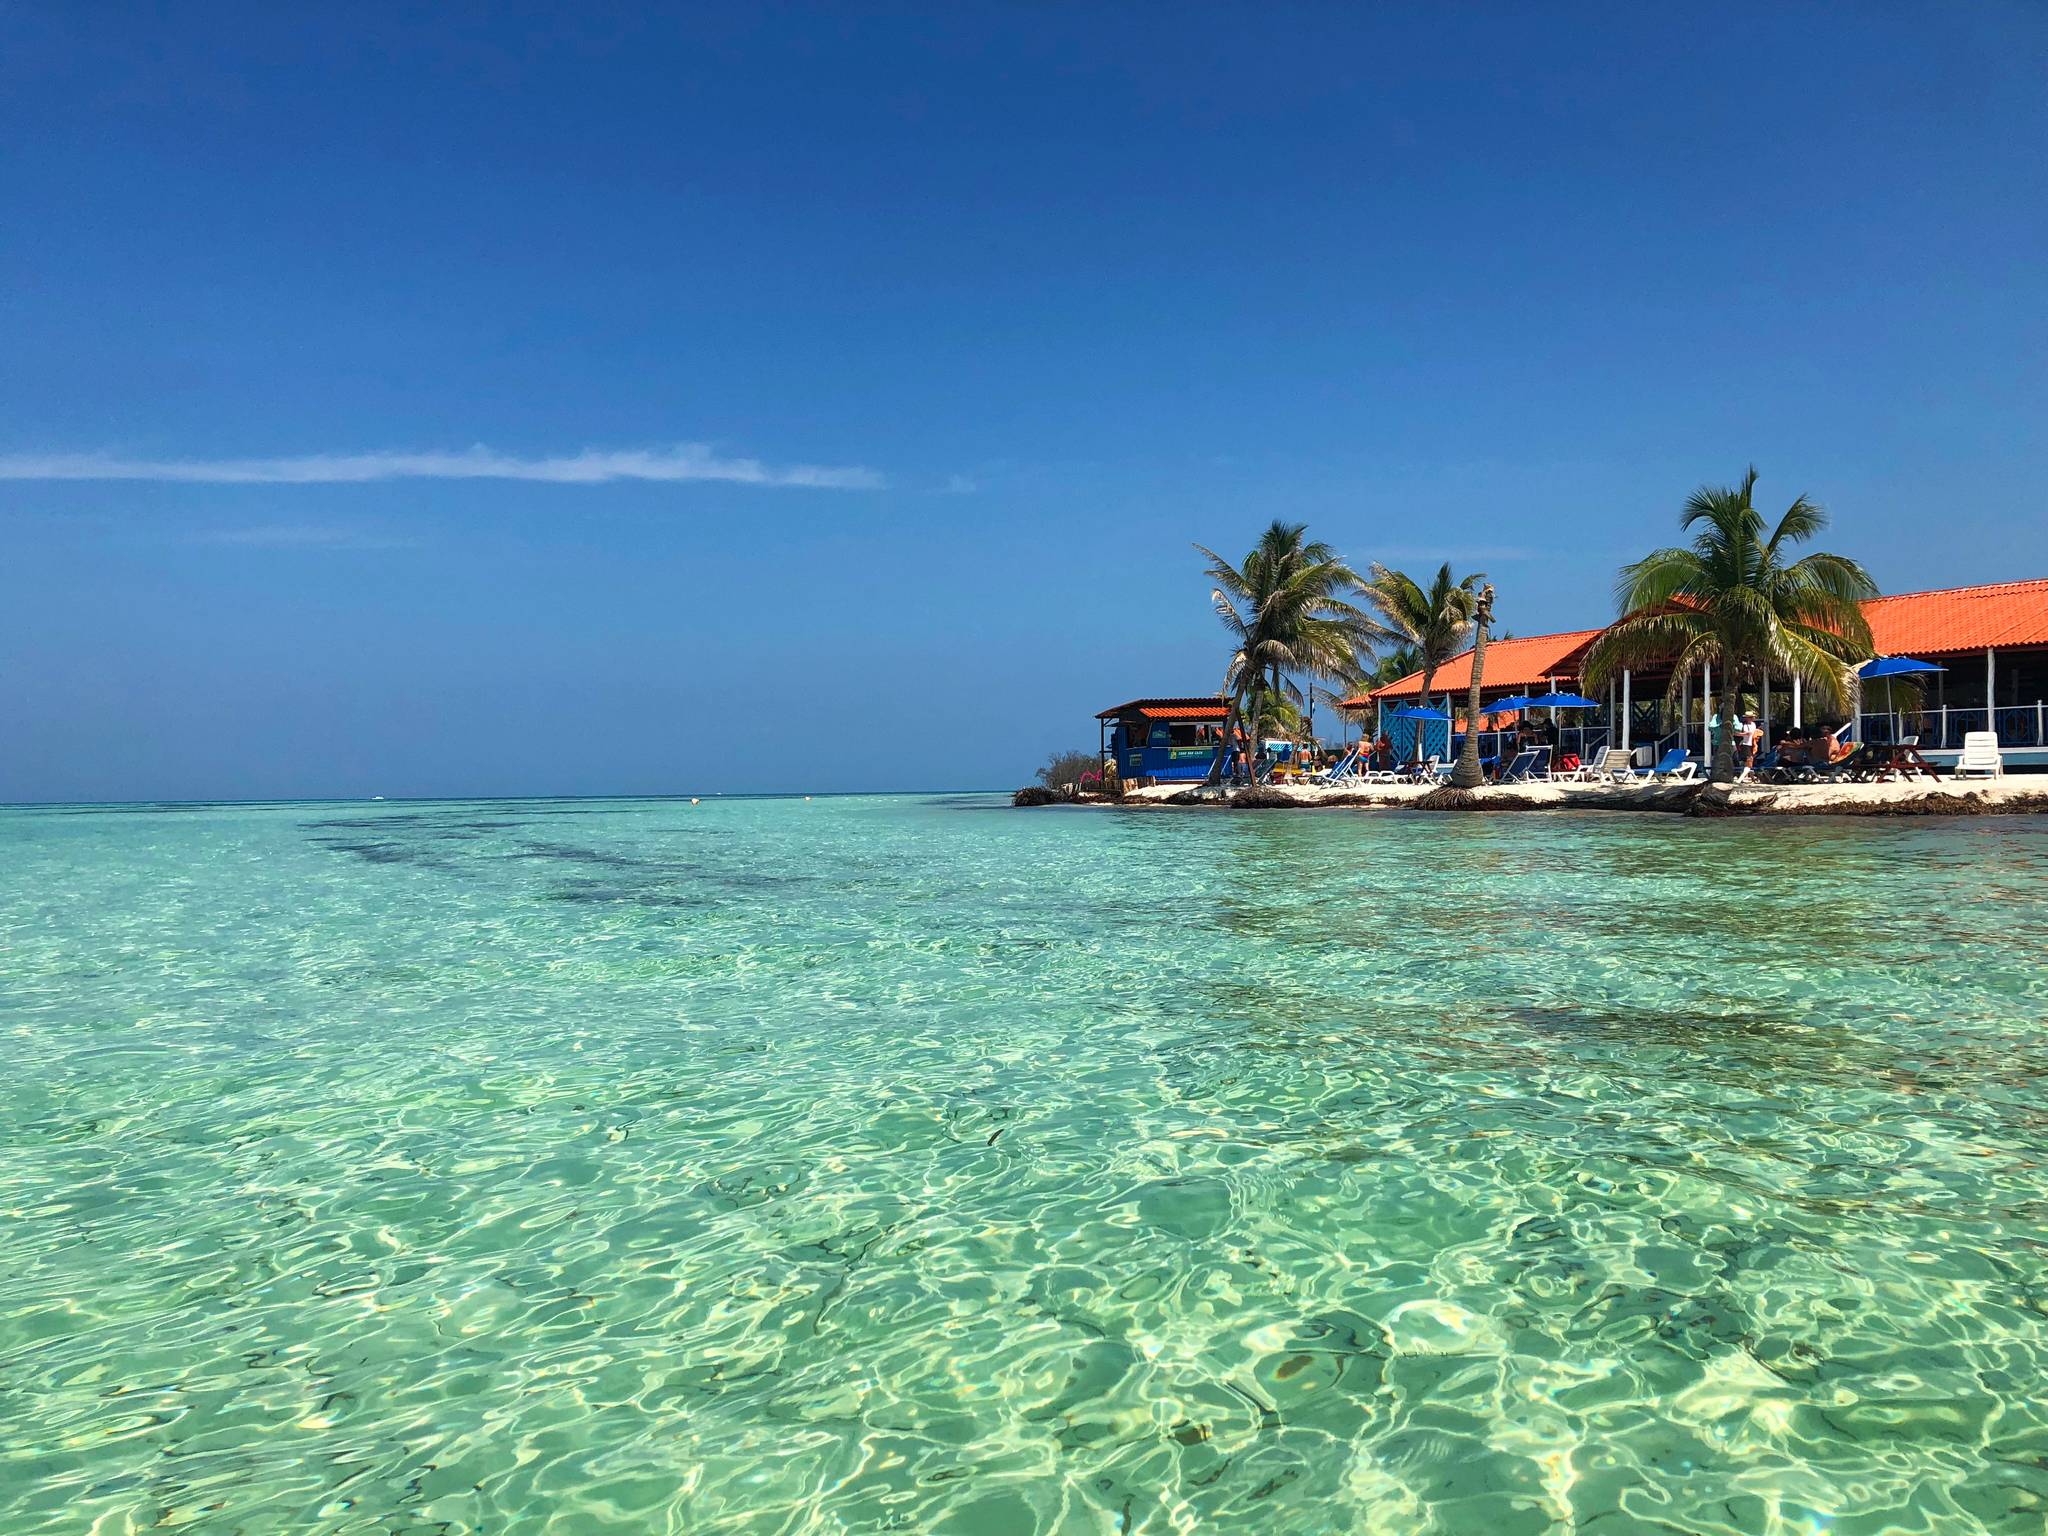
702, 794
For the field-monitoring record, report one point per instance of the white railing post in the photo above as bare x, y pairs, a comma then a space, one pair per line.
1797, 717
2039, 739
1765, 744
1626, 711
1990, 690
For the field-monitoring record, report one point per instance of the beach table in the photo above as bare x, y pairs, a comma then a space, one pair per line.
1899, 759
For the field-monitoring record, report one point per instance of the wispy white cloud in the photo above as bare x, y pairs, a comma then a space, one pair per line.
959, 485
302, 536
682, 462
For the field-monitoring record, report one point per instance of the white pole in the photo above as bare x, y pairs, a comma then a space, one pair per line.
1990, 689
1796, 718
1685, 713
1624, 708
1765, 745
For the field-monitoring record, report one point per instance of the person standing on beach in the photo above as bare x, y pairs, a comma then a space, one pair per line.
1747, 735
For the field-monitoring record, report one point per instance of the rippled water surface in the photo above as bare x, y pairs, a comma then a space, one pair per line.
916, 1164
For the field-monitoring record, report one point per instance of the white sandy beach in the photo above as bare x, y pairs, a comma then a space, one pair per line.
2014, 793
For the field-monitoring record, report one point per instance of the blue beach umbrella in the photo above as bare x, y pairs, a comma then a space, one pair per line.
1563, 701
1895, 666
1889, 667
1508, 706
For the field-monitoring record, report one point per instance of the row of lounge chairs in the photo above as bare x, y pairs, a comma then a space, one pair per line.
1531, 765
1980, 757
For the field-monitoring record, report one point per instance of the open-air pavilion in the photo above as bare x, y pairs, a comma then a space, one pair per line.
1991, 643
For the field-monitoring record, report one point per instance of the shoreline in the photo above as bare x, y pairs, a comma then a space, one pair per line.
1900, 798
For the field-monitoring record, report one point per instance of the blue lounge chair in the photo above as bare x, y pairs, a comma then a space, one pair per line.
1341, 770
1676, 767
1529, 765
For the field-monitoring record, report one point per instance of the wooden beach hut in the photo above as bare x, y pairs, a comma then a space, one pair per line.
1164, 740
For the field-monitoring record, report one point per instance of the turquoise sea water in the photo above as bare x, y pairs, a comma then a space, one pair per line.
914, 1164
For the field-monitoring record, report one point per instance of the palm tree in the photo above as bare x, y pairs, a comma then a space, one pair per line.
1289, 613
1434, 621
1466, 775
1732, 601
1395, 665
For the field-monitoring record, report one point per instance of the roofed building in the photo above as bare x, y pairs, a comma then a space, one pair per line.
1164, 739
1512, 666
1991, 642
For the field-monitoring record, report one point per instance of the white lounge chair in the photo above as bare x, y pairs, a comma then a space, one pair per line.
1980, 755
1613, 766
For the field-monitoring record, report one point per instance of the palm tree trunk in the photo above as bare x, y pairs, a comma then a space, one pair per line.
1467, 775
1723, 770
1276, 695
1215, 775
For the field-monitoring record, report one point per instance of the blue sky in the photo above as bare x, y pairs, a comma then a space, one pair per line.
775, 397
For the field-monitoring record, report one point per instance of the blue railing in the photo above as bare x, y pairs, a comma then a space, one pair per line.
2018, 725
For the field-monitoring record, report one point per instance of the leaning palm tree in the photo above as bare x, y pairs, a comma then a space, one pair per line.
1292, 623
1434, 620
1733, 600
1466, 776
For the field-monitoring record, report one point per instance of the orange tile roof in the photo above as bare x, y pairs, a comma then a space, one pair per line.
1205, 706
1516, 664
1952, 621
1957, 619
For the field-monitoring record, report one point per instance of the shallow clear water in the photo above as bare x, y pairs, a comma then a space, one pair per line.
914, 1164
